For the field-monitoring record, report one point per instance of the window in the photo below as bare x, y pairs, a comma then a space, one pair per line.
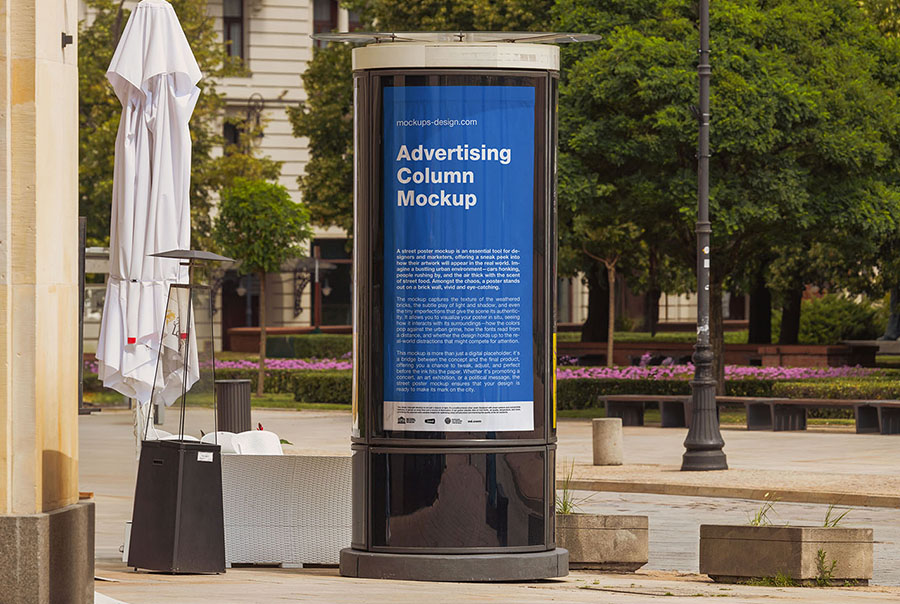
233, 20
325, 17
353, 21
332, 296
232, 135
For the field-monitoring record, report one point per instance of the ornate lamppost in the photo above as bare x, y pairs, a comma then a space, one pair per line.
703, 444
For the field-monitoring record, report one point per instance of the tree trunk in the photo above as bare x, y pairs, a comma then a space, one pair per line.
261, 376
596, 324
790, 317
611, 328
760, 316
717, 335
651, 299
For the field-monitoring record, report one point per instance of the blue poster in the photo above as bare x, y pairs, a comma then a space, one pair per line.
458, 238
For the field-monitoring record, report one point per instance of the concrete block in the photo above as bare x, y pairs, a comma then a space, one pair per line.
48, 558
607, 441
600, 542
732, 553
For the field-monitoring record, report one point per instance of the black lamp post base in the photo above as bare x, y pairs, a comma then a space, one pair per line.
455, 567
697, 461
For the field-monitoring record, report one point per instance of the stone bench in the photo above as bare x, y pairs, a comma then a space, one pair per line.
763, 413
675, 410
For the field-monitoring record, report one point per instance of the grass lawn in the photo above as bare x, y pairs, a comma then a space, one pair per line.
267, 401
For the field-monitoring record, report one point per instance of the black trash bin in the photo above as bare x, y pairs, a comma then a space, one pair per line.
233, 405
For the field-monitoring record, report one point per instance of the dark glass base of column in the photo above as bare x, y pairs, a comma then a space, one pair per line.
703, 460
455, 567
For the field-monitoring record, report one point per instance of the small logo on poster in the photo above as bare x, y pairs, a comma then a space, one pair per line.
401, 420
446, 420
410, 420
430, 420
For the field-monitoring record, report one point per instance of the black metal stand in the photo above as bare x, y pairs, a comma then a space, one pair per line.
178, 521
703, 445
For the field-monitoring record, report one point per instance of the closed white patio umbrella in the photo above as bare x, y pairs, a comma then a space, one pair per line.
154, 75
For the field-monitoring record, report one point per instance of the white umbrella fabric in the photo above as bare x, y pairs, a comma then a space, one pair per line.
154, 75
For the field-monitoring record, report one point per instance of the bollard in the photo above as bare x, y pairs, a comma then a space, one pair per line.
607, 437
233, 405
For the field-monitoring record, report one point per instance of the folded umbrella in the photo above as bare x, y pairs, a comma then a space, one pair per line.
154, 75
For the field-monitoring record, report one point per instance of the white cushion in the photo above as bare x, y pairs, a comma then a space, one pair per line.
224, 439
257, 442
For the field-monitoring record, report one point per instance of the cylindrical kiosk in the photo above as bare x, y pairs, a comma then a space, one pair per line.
454, 414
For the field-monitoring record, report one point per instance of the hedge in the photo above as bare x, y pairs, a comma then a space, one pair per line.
881, 387
582, 393
315, 386
277, 380
307, 346
323, 387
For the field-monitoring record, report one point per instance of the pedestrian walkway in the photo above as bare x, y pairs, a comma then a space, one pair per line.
803, 463
256, 585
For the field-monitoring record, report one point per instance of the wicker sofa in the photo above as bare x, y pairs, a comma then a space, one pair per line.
290, 510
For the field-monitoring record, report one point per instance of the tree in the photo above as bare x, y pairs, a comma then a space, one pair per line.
326, 117
99, 111
803, 126
259, 225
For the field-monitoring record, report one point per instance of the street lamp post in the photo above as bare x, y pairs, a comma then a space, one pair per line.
703, 444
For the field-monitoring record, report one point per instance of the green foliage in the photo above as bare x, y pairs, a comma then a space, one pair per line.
582, 393
278, 381
832, 518
326, 117
464, 15
804, 135
886, 387
307, 346
761, 516
260, 225
566, 501
824, 571
832, 318
323, 386
241, 159
99, 111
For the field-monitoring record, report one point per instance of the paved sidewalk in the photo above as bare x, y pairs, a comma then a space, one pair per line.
256, 585
801, 464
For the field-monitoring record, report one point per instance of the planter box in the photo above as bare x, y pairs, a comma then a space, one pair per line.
731, 553
614, 543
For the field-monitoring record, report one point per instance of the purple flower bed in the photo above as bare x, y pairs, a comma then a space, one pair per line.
290, 364
732, 372
655, 372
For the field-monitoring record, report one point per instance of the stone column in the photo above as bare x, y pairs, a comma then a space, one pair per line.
43, 527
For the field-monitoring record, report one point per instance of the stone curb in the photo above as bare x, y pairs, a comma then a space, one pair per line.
734, 492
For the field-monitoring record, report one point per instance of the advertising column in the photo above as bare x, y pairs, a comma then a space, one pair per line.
458, 234
453, 443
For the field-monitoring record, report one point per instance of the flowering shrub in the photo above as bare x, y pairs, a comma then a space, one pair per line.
288, 364
732, 372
